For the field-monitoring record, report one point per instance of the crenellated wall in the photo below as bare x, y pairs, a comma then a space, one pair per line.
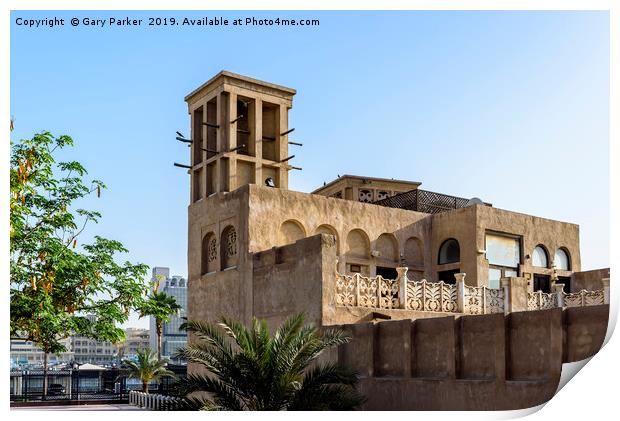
483, 362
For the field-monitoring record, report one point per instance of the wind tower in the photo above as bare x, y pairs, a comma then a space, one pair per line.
239, 134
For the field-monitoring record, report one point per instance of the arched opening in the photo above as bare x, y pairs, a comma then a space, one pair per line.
228, 247
561, 260
208, 253
414, 258
358, 245
387, 246
449, 252
328, 229
540, 258
414, 252
387, 258
357, 252
290, 231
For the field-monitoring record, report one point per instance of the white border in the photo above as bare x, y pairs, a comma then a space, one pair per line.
591, 394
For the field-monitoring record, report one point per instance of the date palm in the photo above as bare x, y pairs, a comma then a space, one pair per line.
249, 369
146, 368
161, 307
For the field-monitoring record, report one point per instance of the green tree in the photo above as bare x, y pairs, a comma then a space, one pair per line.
146, 368
54, 283
161, 307
252, 370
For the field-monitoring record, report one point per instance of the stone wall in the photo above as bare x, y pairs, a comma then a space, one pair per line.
289, 279
486, 362
366, 235
589, 280
274, 214
221, 292
469, 227
549, 233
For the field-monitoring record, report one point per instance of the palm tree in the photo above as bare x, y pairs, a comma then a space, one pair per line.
160, 306
252, 370
147, 368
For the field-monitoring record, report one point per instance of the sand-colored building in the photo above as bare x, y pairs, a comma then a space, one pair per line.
361, 249
240, 205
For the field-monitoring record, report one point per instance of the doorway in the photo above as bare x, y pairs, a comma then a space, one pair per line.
566, 281
542, 283
448, 276
387, 273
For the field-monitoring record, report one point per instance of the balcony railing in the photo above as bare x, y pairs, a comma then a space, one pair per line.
401, 293
425, 201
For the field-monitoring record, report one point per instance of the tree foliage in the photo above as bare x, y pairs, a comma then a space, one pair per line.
249, 369
56, 282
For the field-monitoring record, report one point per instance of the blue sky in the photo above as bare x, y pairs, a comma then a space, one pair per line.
512, 107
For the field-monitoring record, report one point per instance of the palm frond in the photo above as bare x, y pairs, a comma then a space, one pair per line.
238, 332
248, 368
223, 395
209, 333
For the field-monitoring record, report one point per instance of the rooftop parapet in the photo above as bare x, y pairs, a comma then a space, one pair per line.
427, 201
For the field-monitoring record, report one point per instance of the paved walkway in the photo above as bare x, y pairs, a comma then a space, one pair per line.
95, 407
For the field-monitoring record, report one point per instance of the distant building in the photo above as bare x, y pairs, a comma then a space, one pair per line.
80, 349
26, 353
135, 340
89, 350
172, 337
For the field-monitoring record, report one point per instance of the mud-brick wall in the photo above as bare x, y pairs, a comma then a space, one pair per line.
590, 280
289, 279
470, 362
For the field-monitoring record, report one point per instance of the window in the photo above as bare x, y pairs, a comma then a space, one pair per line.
503, 250
209, 253
365, 196
494, 277
449, 252
504, 255
496, 274
561, 259
382, 195
539, 257
228, 247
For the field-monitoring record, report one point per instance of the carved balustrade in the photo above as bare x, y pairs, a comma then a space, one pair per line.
379, 293
431, 296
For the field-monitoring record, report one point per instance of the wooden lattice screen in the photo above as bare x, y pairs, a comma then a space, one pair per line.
424, 201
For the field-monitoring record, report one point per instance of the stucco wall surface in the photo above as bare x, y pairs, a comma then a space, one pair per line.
288, 280
590, 280
487, 362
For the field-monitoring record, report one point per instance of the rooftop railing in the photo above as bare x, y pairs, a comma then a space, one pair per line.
425, 201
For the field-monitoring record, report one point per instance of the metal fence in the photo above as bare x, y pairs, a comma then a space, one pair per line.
83, 385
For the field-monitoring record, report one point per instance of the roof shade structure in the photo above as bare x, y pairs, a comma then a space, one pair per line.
425, 201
